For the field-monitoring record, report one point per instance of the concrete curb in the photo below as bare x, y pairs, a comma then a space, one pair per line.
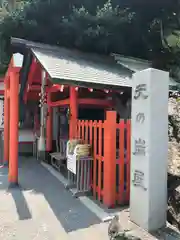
92, 206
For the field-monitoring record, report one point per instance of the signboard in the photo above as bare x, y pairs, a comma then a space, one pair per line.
71, 163
149, 149
1, 113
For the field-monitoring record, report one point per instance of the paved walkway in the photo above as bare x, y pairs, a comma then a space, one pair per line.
42, 209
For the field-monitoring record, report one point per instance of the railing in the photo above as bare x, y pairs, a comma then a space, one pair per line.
110, 143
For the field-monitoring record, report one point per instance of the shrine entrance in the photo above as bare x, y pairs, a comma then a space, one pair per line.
87, 99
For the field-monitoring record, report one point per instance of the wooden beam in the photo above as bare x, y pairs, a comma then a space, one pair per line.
96, 102
56, 88
34, 88
33, 74
49, 130
60, 103
73, 112
83, 101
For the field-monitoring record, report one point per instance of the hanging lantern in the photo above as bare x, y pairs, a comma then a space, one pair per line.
90, 89
76, 89
62, 88
106, 90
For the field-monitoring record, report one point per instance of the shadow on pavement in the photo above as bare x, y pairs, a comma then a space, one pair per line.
21, 204
70, 212
17, 195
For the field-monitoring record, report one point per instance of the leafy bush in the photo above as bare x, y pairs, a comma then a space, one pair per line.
128, 27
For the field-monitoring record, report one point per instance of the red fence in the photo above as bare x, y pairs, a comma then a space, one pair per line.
110, 143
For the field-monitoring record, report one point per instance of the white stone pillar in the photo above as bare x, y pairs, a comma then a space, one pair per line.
149, 149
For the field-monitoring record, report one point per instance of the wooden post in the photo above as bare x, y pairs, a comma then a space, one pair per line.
6, 121
128, 159
49, 129
14, 120
73, 112
41, 141
109, 192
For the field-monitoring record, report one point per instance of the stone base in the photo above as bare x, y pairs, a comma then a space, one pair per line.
47, 157
25, 154
6, 164
54, 146
44, 156
41, 155
13, 185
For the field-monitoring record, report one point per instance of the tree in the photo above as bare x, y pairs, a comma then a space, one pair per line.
7, 7
128, 27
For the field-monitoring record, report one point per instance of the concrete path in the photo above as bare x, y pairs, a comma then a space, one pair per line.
42, 209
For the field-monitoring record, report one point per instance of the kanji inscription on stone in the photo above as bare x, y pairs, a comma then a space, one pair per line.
140, 91
138, 179
140, 117
140, 147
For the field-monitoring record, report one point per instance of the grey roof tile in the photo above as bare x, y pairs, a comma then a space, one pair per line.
65, 64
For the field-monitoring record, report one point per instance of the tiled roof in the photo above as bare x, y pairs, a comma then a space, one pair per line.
75, 67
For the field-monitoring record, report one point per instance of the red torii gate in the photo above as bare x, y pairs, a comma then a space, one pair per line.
11, 117
11, 110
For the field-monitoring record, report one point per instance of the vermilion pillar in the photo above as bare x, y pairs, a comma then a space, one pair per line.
73, 112
109, 191
49, 127
14, 120
6, 120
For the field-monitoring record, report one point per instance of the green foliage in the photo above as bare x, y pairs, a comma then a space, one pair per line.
101, 31
147, 30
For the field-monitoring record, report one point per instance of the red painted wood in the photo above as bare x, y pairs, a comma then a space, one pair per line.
99, 158
109, 197
128, 159
86, 131
60, 103
97, 102
121, 161
95, 158
14, 120
108, 193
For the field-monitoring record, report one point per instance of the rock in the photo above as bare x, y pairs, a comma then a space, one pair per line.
174, 136
114, 227
116, 232
126, 236
131, 237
